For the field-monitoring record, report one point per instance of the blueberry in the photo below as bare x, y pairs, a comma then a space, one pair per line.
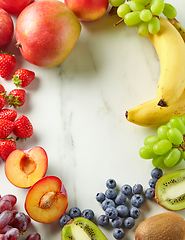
118, 233
134, 212
117, 222
120, 199
88, 213
150, 193
111, 212
74, 212
111, 183
64, 220
126, 189
103, 220
137, 188
110, 193
122, 211
100, 197
152, 182
107, 203
156, 173
129, 222
137, 200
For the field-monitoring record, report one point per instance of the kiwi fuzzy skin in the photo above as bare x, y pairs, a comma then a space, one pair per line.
163, 226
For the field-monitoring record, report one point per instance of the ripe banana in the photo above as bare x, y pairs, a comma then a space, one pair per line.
170, 48
149, 114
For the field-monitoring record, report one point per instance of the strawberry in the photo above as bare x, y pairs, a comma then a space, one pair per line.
6, 128
16, 97
2, 102
8, 114
2, 89
7, 64
6, 147
23, 127
23, 77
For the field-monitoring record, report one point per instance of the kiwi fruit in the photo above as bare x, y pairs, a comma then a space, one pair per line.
163, 226
81, 228
170, 190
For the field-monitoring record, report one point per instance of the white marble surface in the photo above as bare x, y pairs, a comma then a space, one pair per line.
78, 113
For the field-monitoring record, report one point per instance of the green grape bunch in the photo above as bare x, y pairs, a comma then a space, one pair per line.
143, 14
167, 148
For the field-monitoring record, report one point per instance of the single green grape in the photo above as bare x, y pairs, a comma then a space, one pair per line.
147, 152
154, 25
123, 9
157, 7
175, 136
169, 11
172, 157
116, 3
176, 122
152, 139
136, 6
162, 147
141, 1
132, 18
145, 15
142, 29
158, 162
162, 132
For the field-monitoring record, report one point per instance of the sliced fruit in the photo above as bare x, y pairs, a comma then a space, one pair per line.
81, 228
46, 201
23, 168
170, 190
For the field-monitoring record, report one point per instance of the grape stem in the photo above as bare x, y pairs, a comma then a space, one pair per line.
120, 21
113, 11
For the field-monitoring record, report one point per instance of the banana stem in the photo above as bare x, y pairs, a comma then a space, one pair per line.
178, 26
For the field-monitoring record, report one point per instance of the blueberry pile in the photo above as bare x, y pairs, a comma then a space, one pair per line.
75, 212
156, 173
115, 208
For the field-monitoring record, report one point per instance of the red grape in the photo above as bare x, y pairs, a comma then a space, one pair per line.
34, 236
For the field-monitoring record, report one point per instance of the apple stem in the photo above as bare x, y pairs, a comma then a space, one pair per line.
18, 45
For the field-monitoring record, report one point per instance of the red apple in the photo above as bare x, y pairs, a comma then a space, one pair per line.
88, 10
46, 32
46, 201
6, 28
25, 167
14, 6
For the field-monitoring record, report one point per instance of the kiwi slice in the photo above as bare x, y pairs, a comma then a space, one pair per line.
81, 228
170, 190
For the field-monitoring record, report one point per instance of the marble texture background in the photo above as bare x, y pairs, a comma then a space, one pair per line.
78, 113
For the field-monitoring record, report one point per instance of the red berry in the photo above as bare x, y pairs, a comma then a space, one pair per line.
17, 98
7, 64
6, 147
6, 128
23, 127
23, 77
2, 89
8, 114
2, 102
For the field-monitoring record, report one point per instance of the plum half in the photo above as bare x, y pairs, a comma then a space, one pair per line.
46, 200
170, 190
25, 167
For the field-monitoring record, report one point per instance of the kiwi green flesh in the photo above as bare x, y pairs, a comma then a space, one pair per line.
170, 190
81, 228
